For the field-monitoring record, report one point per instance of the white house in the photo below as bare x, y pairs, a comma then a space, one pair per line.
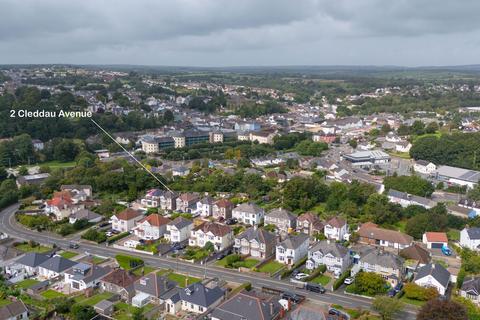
54, 267
152, 227
424, 167
205, 206
471, 289
292, 249
85, 275
221, 236
470, 238
152, 198
196, 298
332, 254
248, 213
125, 220
433, 275
178, 230
336, 228
15, 310
435, 240
403, 146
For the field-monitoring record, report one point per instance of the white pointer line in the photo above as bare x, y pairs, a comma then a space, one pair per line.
131, 155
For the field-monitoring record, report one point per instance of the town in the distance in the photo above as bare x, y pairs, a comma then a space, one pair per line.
239, 193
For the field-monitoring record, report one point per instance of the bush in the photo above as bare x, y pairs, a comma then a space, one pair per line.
232, 259
369, 283
117, 237
95, 235
340, 280
416, 292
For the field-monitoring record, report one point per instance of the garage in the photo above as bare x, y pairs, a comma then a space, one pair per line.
435, 240
436, 245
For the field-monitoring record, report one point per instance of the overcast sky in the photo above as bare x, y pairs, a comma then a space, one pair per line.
241, 32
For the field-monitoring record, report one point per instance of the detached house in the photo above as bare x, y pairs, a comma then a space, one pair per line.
151, 288
248, 213
205, 206
196, 298
221, 236
310, 224
125, 220
62, 205
336, 228
433, 275
282, 219
370, 233
424, 167
178, 230
222, 209
383, 263
119, 282
332, 254
168, 201
15, 310
435, 240
471, 289
54, 267
31, 262
255, 242
187, 202
470, 238
292, 249
85, 214
152, 227
152, 198
85, 275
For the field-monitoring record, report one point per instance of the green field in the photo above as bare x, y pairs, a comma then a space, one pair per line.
124, 311
56, 164
27, 283
51, 294
25, 247
68, 254
94, 299
127, 262
271, 267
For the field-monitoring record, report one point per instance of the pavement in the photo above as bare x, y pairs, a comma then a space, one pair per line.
10, 226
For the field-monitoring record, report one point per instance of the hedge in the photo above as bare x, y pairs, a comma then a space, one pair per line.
128, 262
340, 280
288, 272
117, 237
320, 270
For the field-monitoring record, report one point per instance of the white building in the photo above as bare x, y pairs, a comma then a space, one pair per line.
248, 213
331, 254
221, 236
178, 230
336, 228
292, 249
433, 275
152, 227
470, 238
424, 167
125, 220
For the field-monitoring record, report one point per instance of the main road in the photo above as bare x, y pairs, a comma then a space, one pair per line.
10, 226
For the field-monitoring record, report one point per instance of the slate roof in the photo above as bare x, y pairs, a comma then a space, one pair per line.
471, 285
85, 214
154, 285
416, 252
180, 222
120, 278
437, 271
325, 247
473, 233
248, 207
92, 272
200, 295
382, 258
57, 264
281, 213
248, 305
12, 310
293, 242
33, 259
215, 228
261, 235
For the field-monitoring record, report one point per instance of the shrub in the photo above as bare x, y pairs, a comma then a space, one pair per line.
416, 292
95, 235
340, 280
369, 283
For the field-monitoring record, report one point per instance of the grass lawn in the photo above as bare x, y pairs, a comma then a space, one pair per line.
403, 155
436, 134
97, 260
321, 279
25, 247
412, 301
94, 299
222, 262
401, 225
27, 283
127, 262
56, 164
271, 267
68, 254
51, 294
247, 263
453, 235
146, 270
180, 279
123, 311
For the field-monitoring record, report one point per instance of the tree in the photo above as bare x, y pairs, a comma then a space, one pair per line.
416, 292
137, 314
379, 209
209, 246
387, 307
168, 116
410, 184
369, 283
83, 312
473, 194
442, 310
418, 127
3, 174
432, 127
353, 143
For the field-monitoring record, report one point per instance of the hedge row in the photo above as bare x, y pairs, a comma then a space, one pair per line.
340, 280
117, 237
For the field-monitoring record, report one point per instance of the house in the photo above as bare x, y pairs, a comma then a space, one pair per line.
433, 275
125, 220
180, 171
282, 219
104, 307
470, 238
15, 310
292, 249
178, 230
31, 262
303, 312
168, 201
262, 137
435, 240
471, 289
222, 209
248, 213
152, 227
151, 288
152, 198
196, 298
404, 199
255, 242
205, 206
331, 254
62, 205
371, 234
248, 305
221, 236
417, 253
403, 146
460, 211
336, 228
310, 224
32, 179
79, 191
38, 145
85, 214
470, 204
384, 263
392, 137
186, 202
54, 267
85, 275
424, 167
119, 282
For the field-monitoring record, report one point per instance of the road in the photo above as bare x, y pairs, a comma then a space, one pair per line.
10, 226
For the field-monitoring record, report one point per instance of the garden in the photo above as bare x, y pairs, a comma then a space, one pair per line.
236, 261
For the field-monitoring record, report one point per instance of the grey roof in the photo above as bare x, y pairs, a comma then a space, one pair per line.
248, 305
103, 305
437, 271
261, 235
12, 310
33, 259
422, 162
305, 313
459, 173
293, 242
471, 285
154, 285
200, 295
173, 295
474, 233
382, 258
411, 197
87, 272
57, 264
85, 214
326, 246
281, 213
180, 222
249, 208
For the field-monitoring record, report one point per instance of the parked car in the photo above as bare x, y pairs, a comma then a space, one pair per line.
222, 255
315, 287
446, 250
231, 221
398, 287
287, 295
334, 312
74, 245
301, 276
391, 293
295, 272
348, 280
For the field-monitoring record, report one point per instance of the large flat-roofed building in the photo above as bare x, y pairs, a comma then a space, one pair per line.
367, 158
458, 176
